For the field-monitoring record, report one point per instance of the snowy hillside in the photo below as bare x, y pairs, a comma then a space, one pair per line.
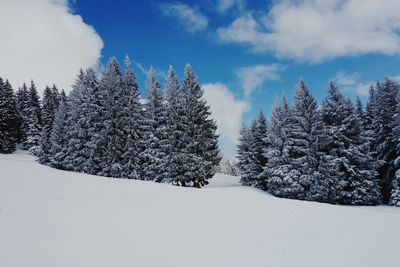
55, 218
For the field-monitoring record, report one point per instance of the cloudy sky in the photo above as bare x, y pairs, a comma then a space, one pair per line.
244, 52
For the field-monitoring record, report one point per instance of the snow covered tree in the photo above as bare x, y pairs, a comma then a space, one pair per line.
81, 122
49, 108
134, 125
154, 166
9, 121
304, 142
354, 181
22, 98
360, 113
34, 121
282, 176
200, 134
58, 138
248, 164
384, 140
176, 113
115, 103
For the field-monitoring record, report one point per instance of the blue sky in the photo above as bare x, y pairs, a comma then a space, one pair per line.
244, 52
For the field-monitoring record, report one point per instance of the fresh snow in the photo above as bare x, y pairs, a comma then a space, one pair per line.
54, 218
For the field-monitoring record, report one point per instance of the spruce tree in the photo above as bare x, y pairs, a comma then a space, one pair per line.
304, 142
384, 140
355, 179
22, 98
200, 134
282, 176
58, 138
49, 108
154, 164
116, 120
249, 165
176, 114
9, 122
134, 125
34, 121
82, 118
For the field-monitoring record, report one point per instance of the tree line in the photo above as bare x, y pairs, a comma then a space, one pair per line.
338, 152
105, 127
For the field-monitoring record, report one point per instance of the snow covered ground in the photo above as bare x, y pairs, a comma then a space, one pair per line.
55, 218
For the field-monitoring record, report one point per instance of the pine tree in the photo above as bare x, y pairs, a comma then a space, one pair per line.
355, 179
9, 122
58, 138
283, 177
82, 118
131, 159
200, 134
50, 104
116, 119
304, 142
384, 141
260, 145
155, 136
34, 121
360, 113
176, 113
249, 166
22, 98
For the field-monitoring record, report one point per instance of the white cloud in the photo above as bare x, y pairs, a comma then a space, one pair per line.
225, 5
362, 89
318, 30
253, 77
191, 18
350, 82
43, 41
228, 112
347, 79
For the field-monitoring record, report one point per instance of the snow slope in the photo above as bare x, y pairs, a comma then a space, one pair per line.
55, 218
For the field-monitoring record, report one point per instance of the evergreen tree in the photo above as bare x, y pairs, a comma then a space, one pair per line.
249, 166
49, 108
34, 121
282, 176
134, 125
304, 143
116, 120
9, 122
83, 116
22, 98
58, 138
384, 137
360, 113
355, 179
155, 136
200, 134
176, 113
